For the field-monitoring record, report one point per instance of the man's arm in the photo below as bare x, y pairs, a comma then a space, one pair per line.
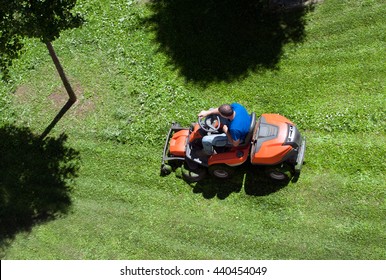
208, 112
235, 143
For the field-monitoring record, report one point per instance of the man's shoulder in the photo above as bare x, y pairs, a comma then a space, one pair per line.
237, 107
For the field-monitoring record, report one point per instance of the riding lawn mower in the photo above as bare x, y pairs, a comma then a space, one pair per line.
273, 143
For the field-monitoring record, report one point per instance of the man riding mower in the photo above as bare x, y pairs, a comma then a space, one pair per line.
227, 137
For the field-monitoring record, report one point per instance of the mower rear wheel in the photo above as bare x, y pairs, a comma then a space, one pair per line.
221, 171
279, 173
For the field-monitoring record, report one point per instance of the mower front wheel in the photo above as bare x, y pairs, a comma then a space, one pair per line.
192, 175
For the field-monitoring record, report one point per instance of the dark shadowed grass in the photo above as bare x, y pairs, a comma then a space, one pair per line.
34, 179
216, 40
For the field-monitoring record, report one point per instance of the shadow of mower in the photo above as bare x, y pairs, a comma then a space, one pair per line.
252, 178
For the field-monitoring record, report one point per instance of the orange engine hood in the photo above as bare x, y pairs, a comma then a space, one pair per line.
271, 133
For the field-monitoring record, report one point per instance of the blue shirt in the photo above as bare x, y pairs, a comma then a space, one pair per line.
239, 126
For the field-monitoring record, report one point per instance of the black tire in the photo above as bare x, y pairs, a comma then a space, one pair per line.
221, 171
279, 173
166, 169
193, 175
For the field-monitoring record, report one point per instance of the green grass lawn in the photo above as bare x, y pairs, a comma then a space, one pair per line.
326, 73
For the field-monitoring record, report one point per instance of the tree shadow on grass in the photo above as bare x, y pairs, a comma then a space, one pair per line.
35, 177
252, 178
222, 40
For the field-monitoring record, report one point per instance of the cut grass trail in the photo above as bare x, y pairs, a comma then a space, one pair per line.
331, 85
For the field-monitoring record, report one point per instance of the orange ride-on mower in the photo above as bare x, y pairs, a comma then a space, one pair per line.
273, 142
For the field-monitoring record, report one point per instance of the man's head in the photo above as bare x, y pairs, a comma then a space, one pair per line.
226, 110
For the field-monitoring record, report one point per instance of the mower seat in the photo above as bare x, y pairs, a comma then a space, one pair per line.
248, 138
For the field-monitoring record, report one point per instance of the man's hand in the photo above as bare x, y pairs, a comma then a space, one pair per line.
203, 113
225, 129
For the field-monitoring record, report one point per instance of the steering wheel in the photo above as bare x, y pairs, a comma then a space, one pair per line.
210, 123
